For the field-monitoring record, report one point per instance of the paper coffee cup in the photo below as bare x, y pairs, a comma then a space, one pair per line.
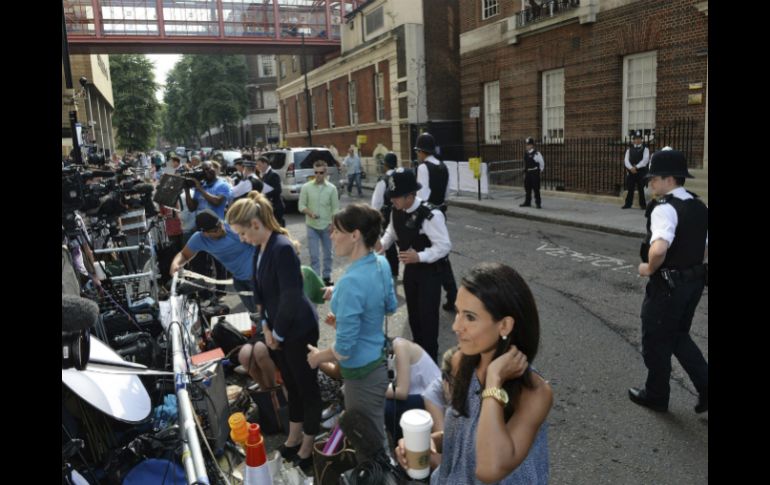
416, 425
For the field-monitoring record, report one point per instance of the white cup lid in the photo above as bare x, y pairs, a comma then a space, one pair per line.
417, 420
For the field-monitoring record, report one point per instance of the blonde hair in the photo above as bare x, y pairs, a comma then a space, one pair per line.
257, 206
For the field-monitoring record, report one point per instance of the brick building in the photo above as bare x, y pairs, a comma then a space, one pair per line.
94, 104
573, 69
396, 74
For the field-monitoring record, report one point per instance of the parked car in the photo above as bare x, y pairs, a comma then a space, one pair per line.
295, 166
229, 157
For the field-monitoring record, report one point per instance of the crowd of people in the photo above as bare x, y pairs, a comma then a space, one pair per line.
486, 384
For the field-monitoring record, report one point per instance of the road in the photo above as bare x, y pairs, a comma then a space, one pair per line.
589, 298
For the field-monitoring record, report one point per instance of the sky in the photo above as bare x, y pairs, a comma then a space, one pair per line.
163, 64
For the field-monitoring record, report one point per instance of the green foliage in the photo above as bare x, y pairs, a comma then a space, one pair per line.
136, 115
201, 92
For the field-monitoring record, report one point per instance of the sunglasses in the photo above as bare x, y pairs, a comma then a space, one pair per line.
320, 173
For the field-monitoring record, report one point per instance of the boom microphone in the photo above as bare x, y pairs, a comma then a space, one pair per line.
77, 313
77, 316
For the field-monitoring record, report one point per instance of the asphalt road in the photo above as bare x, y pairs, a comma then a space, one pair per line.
589, 298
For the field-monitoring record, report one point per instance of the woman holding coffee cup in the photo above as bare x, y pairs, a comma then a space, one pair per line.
497, 328
360, 301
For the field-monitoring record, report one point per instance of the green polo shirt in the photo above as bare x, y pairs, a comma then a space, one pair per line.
322, 200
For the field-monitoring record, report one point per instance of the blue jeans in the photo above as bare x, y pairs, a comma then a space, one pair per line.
314, 237
248, 301
354, 178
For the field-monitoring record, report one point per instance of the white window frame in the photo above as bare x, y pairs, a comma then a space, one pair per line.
330, 106
270, 61
492, 112
312, 111
380, 11
379, 95
553, 105
640, 96
352, 103
299, 115
489, 8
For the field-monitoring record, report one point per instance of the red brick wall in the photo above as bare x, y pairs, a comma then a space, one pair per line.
365, 104
339, 88
321, 107
343, 140
592, 57
470, 13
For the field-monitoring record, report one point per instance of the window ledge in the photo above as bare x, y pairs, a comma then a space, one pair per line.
585, 14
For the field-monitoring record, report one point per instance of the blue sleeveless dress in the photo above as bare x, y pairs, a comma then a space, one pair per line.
458, 462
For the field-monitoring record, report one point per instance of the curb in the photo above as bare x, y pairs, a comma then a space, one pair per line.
552, 220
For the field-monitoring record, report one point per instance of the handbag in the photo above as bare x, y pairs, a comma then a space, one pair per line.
273, 410
328, 468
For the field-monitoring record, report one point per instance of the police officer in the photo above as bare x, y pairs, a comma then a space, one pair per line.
637, 158
433, 175
250, 181
237, 175
419, 230
272, 188
672, 255
382, 203
533, 167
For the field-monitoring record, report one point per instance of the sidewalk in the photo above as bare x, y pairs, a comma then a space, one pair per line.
599, 213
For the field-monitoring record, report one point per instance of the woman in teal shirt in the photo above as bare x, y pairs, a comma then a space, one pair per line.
360, 300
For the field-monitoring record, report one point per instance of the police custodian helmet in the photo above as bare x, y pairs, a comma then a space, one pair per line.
668, 162
426, 143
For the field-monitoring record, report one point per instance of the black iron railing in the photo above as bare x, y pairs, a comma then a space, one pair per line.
544, 9
587, 165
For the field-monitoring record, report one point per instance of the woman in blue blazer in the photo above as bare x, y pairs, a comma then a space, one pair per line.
289, 320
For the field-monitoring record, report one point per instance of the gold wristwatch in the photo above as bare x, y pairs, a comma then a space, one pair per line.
499, 394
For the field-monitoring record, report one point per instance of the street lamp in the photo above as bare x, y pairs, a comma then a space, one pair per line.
269, 132
293, 32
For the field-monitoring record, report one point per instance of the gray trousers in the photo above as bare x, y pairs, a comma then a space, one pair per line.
367, 395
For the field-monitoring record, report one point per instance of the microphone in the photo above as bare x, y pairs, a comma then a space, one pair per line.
78, 315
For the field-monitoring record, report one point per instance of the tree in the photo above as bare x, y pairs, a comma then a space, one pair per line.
136, 109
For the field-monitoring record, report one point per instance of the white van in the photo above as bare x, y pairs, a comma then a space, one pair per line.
295, 166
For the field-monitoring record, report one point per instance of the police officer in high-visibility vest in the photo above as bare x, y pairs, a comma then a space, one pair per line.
420, 231
433, 175
382, 203
533, 167
637, 158
672, 256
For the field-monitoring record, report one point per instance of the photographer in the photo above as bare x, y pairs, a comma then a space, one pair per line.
213, 193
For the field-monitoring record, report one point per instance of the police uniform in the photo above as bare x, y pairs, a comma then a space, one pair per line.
533, 165
637, 156
248, 182
433, 175
674, 290
381, 201
421, 227
273, 180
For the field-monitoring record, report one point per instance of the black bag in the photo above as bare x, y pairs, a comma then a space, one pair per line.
328, 468
273, 410
137, 347
226, 336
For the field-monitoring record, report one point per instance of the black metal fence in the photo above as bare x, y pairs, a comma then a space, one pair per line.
544, 10
587, 165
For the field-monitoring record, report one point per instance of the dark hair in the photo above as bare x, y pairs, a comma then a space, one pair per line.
679, 181
504, 293
362, 217
319, 163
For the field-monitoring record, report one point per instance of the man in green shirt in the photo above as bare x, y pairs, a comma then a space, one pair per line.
319, 201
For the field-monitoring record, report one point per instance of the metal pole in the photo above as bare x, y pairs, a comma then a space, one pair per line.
307, 95
73, 114
478, 154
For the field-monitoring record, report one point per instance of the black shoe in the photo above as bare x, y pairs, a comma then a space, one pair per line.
703, 403
539, 206
305, 464
639, 396
288, 452
448, 307
525, 205
626, 207
643, 207
328, 282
